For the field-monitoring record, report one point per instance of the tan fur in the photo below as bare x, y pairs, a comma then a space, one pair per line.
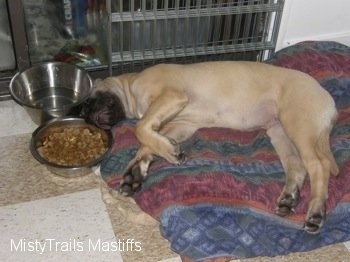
173, 101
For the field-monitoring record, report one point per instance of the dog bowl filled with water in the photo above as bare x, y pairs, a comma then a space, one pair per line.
50, 90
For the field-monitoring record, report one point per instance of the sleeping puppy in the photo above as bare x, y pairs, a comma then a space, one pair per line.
172, 101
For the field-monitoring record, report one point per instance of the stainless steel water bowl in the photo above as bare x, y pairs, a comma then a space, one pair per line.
52, 126
50, 89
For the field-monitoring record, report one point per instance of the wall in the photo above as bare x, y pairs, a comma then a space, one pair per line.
314, 20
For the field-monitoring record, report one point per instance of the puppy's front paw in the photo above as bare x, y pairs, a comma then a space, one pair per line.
178, 155
181, 157
132, 181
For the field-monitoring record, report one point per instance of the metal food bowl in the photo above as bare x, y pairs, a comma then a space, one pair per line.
64, 170
50, 90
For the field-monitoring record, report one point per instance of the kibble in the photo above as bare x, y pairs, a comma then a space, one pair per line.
71, 146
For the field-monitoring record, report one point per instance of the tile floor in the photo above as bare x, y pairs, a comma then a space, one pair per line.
58, 228
47, 218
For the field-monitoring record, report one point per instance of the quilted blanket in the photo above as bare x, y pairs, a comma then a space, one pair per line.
220, 202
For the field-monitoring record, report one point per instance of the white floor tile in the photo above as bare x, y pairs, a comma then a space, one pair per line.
72, 227
14, 119
347, 245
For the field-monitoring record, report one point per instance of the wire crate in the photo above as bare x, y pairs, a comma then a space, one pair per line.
146, 32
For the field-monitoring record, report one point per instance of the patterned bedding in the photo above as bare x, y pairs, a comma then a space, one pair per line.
220, 202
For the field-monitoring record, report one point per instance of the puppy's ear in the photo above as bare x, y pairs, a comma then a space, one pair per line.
97, 81
99, 85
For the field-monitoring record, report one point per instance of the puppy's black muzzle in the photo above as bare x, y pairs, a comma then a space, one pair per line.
103, 110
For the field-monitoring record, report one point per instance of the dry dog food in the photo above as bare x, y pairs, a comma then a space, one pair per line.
71, 146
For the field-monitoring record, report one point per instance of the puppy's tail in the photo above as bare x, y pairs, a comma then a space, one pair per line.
324, 151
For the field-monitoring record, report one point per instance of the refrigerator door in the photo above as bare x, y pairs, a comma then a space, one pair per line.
7, 56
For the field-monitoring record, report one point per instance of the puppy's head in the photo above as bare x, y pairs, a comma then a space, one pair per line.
103, 108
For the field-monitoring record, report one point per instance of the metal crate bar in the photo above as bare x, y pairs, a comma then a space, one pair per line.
146, 32
190, 51
175, 14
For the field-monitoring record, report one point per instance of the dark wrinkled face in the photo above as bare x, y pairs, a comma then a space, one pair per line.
103, 109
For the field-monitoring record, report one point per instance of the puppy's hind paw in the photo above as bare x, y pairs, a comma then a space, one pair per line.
286, 203
314, 223
282, 211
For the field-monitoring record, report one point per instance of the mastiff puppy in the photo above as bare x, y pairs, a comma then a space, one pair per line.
172, 101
